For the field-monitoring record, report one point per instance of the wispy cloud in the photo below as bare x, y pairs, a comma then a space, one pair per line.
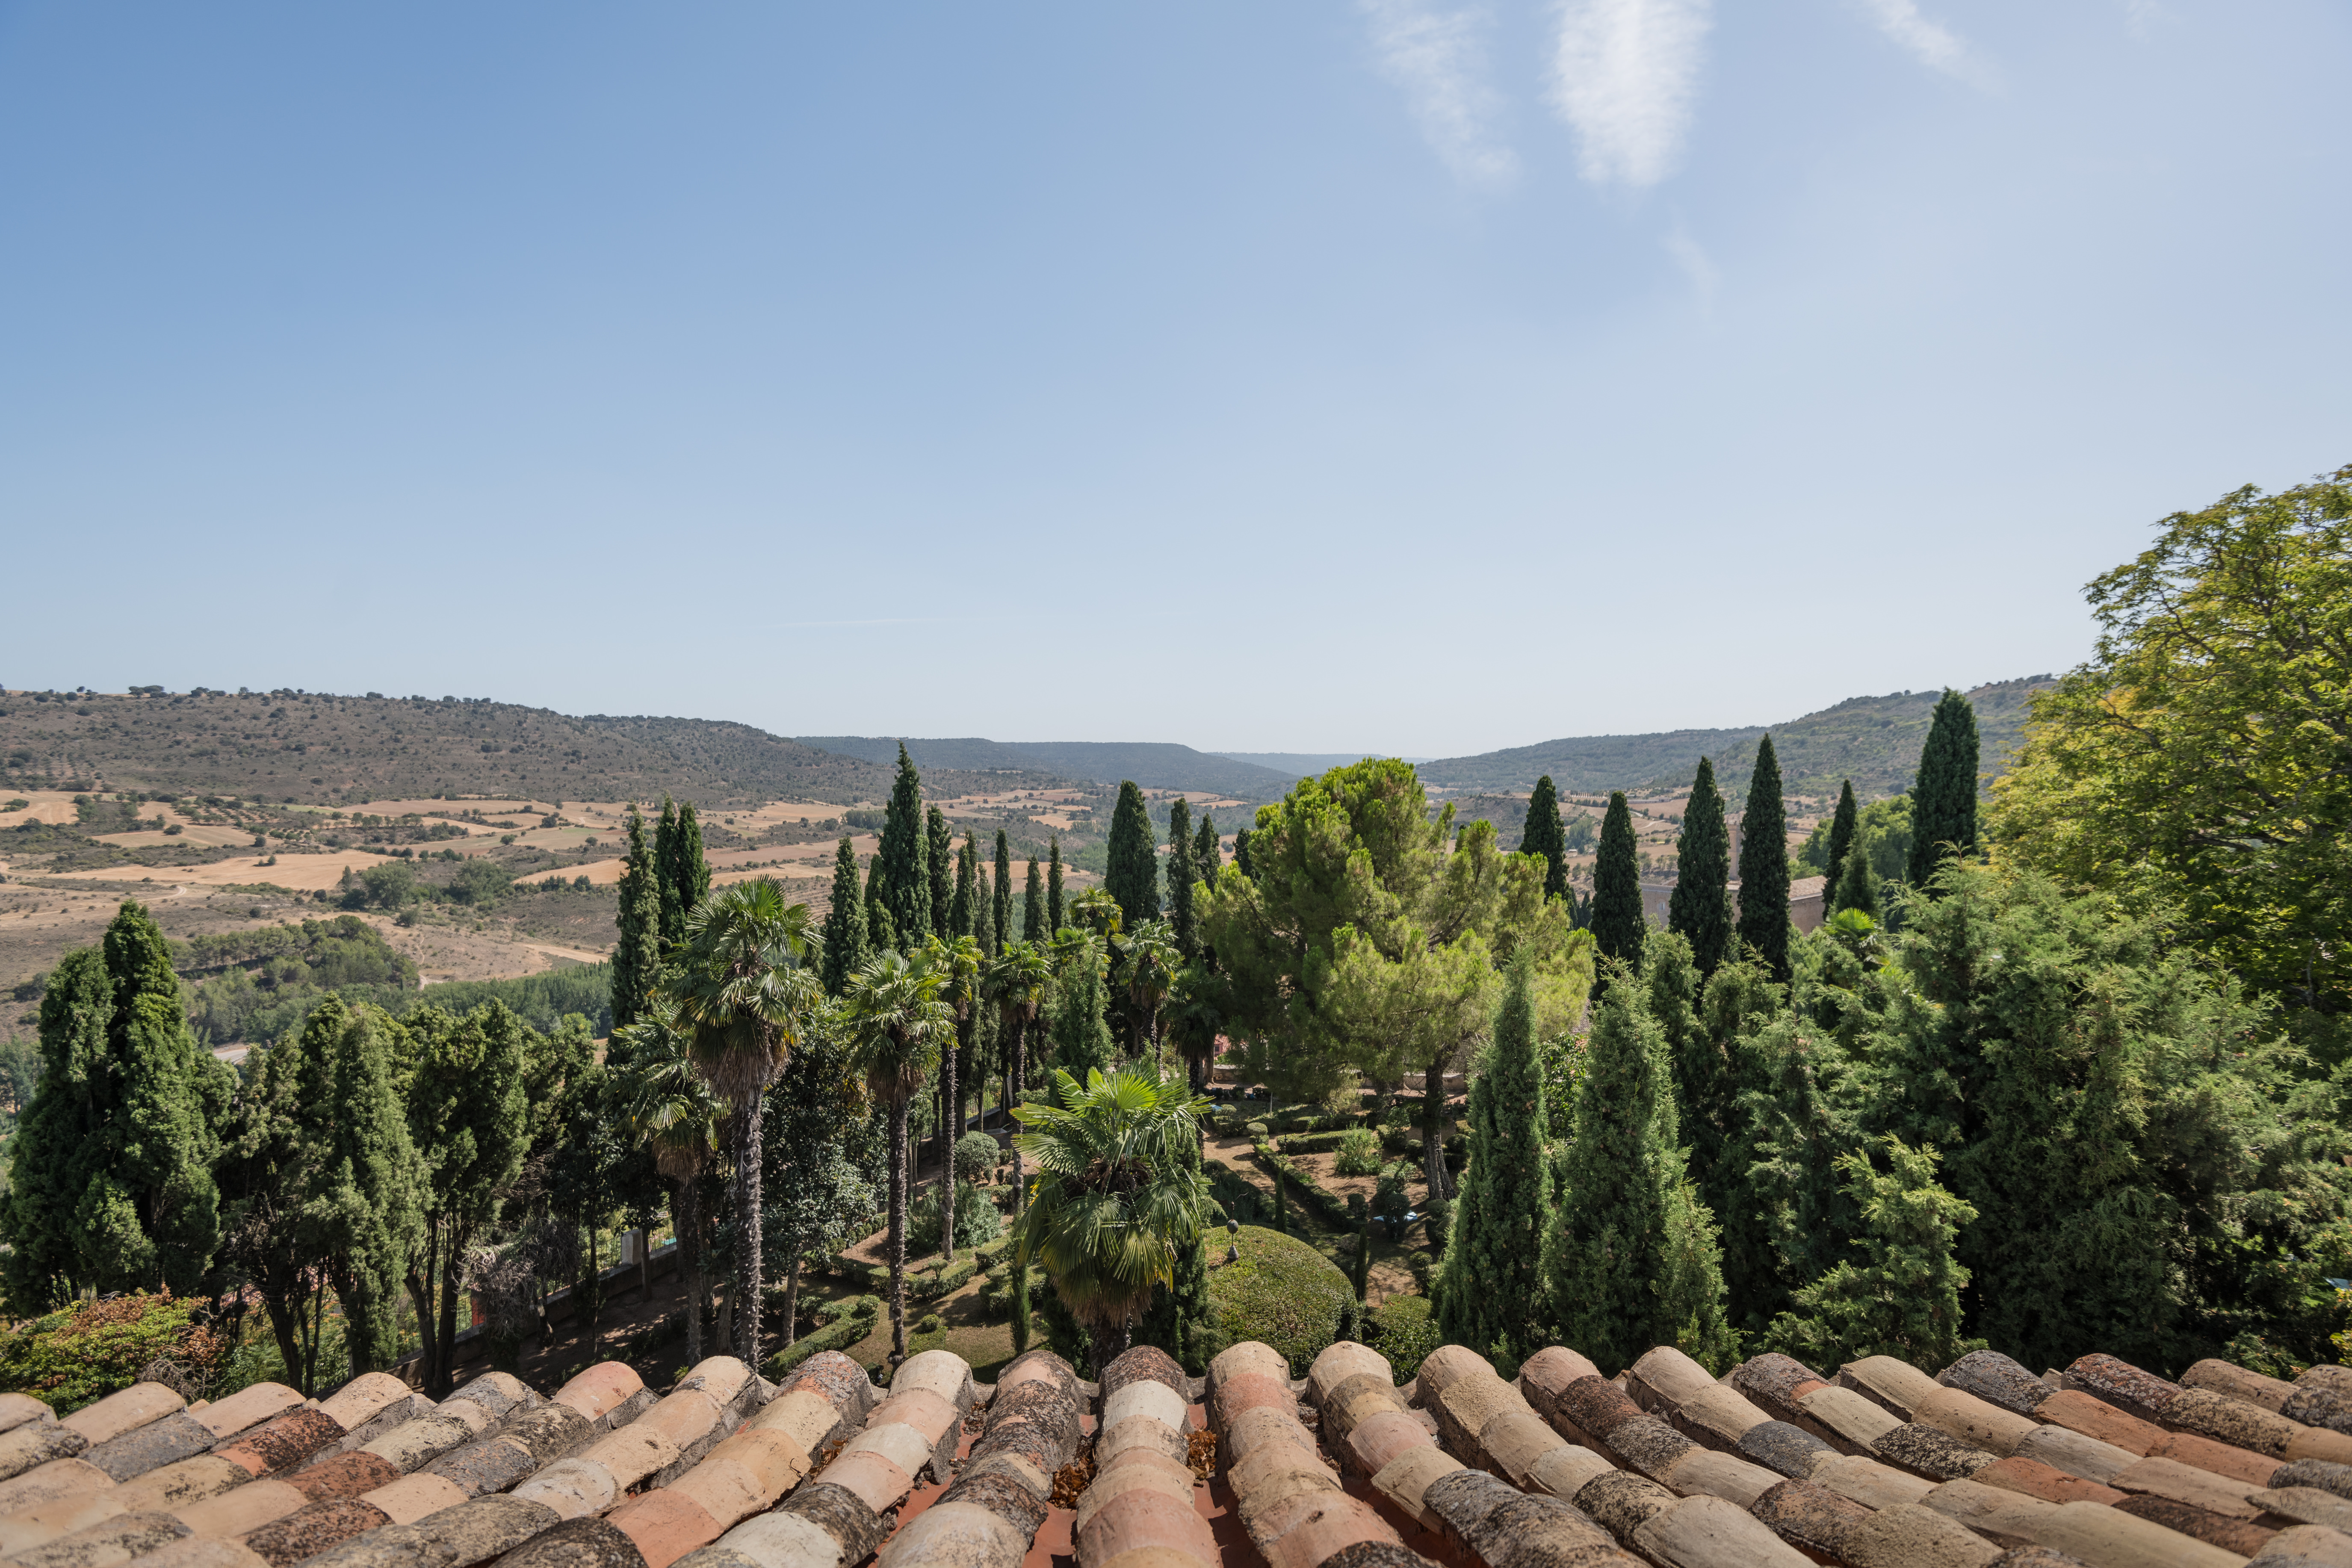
1624, 76
1932, 43
1694, 263
1439, 61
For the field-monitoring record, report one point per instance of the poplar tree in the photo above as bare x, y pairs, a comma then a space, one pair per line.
112, 1160
1699, 909
367, 1210
902, 878
1944, 800
1132, 873
1180, 874
1764, 866
1841, 830
1001, 906
845, 930
1033, 908
673, 915
1053, 907
1619, 926
637, 958
1544, 836
1492, 1295
940, 862
1633, 1261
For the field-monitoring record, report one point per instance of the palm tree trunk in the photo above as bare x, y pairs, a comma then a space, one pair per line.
899, 1153
747, 1241
951, 1092
690, 1266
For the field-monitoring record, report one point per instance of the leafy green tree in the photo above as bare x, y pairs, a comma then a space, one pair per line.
1799, 1101
902, 876
1634, 1260
1699, 909
1182, 921
1081, 1033
1054, 888
2198, 758
365, 1208
270, 1159
670, 1108
582, 1164
821, 1187
747, 994
1857, 887
636, 957
1842, 828
1904, 1299
1492, 1293
1000, 906
1118, 1193
1618, 925
112, 1183
1034, 926
1944, 801
1706, 1093
900, 1025
939, 879
1544, 837
1133, 874
845, 936
469, 1123
1018, 982
1764, 865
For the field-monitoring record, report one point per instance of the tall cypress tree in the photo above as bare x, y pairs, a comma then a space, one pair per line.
1179, 877
637, 958
1618, 924
1700, 906
1764, 866
904, 878
881, 930
1633, 1261
846, 932
693, 871
1081, 1036
1857, 887
673, 914
1241, 850
1003, 906
1207, 856
983, 899
1944, 801
963, 912
1033, 907
1132, 875
1544, 836
1053, 907
1492, 1298
1842, 829
940, 862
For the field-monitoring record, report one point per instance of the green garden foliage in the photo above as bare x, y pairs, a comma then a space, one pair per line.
1359, 1153
92, 1349
1543, 836
1283, 1293
938, 862
1055, 910
1764, 866
1800, 1101
364, 1212
1033, 908
1079, 1032
1001, 907
977, 1221
673, 913
1843, 824
636, 956
1182, 1319
902, 864
1618, 922
1699, 909
846, 932
1856, 889
1181, 919
1133, 875
1944, 801
1206, 855
840, 1324
112, 1182
1633, 1261
1406, 1331
1492, 1295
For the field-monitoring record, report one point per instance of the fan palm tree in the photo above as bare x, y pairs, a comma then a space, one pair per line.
958, 964
1148, 962
671, 1110
1115, 1196
747, 990
901, 1022
1018, 983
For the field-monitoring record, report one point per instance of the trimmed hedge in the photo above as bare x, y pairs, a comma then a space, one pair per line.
923, 1285
1282, 1293
840, 1324
1313, 1193
1403, 1332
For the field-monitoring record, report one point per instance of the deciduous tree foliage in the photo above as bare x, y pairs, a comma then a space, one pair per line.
1543, 836
1619, 926
1764, 866
2198, 757
1133, 867
1944, 801
903, 872
113, 1182
636, 956
846, 932
1699, 909
1492, 1294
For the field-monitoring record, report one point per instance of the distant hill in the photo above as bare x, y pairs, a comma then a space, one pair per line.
1153, 764
1307, 764
1873, 740
317, 748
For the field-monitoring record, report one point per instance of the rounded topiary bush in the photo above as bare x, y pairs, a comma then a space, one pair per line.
976, 1154
1282, 1293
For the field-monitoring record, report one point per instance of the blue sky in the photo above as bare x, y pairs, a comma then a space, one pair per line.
1422, 377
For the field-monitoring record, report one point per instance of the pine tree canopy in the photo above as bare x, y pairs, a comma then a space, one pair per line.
1133, 867
1841, 831
905, 856
1544, 836
1618, 925
1944, 801
848, 934
1492, 1294
1699, 909
1764, 866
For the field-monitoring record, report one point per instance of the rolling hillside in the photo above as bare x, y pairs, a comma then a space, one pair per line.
1152, 764
1873, 740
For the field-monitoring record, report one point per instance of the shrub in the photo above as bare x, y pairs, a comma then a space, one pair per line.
1405, 1334
96, 1348
976, 1155
1282, 1293
1360, 1152
929, 1323
842, 1324
977, 1220
1437, 1222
